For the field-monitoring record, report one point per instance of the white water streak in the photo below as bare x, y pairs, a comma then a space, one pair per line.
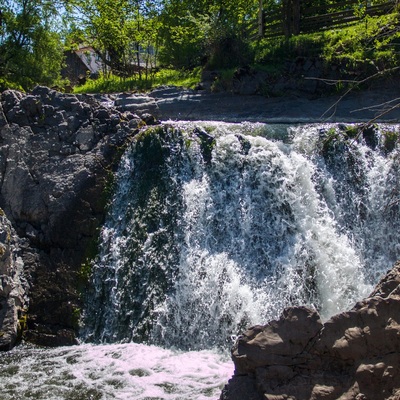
262, 225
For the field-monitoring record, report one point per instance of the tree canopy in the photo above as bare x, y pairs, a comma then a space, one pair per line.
126, 35
132, 36
120, 31
30, 47
214, 32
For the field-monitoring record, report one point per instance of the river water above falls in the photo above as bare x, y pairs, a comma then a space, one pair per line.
212, 228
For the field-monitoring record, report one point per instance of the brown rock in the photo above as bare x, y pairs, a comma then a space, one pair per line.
278, 343
353, 356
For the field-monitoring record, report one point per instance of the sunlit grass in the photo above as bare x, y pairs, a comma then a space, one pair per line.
374, 40
113, 83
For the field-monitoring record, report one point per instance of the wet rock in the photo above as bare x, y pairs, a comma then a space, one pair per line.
279, 343
137, 104
241, 387
85, 138
354, 355
9, 99
150, 119
370, 136
207, 142
247, 81
279, 100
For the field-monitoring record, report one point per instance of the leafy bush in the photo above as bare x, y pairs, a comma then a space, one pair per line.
229, 51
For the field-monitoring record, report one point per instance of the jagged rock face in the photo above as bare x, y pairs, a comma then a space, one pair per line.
354, 355
13, 284
56, 155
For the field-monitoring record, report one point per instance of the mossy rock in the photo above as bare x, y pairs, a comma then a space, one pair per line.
390, 139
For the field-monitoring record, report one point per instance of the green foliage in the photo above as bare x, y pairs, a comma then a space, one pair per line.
331, 136
123, 33
364, 48
390, 139
352, 131
278, 50
85, 271
133, 38
7, 84
213, 33
149, 144
76, 318
341, 135
22, 323
182, 45
150, 154
31, 51
374, 42
113, 83
207, 145
229, 51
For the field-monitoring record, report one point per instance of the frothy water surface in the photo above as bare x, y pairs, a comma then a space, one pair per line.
117, 371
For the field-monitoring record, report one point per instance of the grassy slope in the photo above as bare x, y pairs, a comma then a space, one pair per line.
373, 42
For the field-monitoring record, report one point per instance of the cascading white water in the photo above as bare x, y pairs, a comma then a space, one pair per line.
231, 228
206, 237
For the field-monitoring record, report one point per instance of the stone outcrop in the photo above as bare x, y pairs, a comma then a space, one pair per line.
57, 157
353, 356
173, 103
14, 279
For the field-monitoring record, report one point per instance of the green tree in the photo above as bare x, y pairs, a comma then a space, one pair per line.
212, 32
188, 33
31, 50
120, 31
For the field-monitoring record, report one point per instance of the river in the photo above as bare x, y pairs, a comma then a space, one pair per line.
214, 227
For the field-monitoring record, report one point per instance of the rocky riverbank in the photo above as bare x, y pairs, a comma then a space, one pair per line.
354, 355
57, 156
173, 103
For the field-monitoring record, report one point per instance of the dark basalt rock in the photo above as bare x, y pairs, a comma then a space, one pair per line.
56, 155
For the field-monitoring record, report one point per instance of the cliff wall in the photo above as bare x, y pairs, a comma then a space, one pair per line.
57, 156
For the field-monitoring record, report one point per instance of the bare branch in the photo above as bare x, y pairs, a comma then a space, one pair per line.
380, 107
355, 82
333, 106
381, 114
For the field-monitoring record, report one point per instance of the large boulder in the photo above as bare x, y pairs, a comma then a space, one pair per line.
354, 355
57, 157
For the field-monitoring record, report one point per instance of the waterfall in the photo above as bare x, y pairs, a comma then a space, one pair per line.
214, 227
